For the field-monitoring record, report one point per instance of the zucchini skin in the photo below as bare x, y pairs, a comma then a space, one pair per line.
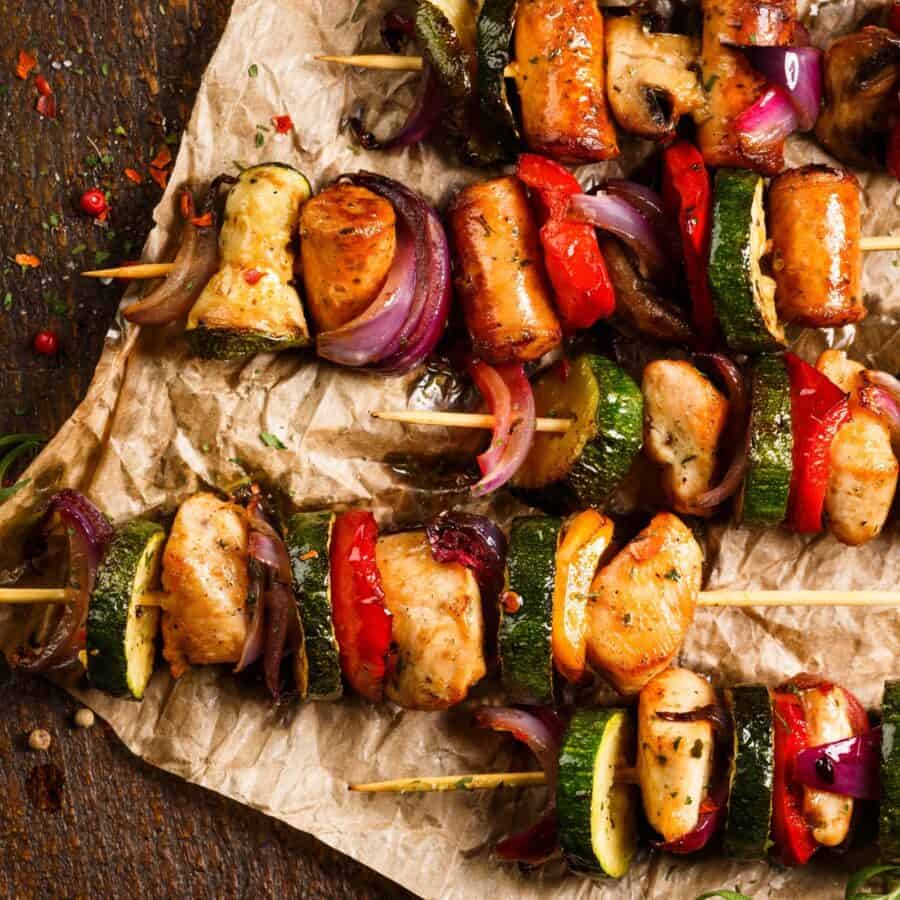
110, 606
889, 814
752, 774
496, 24
575, 788
606, 459
307, 534
768, 479
526, 656
730, 274
225, 343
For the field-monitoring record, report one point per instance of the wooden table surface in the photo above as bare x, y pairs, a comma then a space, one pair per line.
86, 818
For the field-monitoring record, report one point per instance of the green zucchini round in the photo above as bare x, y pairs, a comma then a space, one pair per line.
526, 612
121, 633
744, 297
597, 816
889, 816
496, 24
752, 771
768, 480
597, 450
308, 539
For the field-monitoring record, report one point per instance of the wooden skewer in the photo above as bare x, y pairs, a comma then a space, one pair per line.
460, 420
390, 63
160, 270
722, 598
21, 596
484, 781
140, 271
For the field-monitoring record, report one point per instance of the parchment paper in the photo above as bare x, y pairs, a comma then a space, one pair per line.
157, 425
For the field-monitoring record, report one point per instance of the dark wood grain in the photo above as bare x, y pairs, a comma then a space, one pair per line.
124, 73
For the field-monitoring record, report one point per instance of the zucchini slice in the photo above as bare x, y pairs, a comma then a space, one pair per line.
596, 452
744, 296
308, 539
889, 817
496, 24
597, 817
768, 480
752, 772
251, 305
526, 610
121, 634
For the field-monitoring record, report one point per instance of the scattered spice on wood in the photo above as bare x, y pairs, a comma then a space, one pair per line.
134, 175
26, 64
27, 260
84, 718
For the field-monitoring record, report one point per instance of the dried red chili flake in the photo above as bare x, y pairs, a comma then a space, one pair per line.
135, 176
25, 65
203, 221
28, 260
163, 159
160, 176
252, 276
46, 106
283, 124
43, 86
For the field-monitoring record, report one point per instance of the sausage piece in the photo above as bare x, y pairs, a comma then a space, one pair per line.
684, 417
756, 23
732, 86
205, 577
500, 274
560, 77
437, 623
675, 759
347, 241
641, 605
815, 218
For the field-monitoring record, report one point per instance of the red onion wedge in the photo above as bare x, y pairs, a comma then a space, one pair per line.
768, 121
740, 433
88, 533
542, 730
274, 631
798, 70
195, 263
849, 767
431, 301
650, 205
426, 110
511, 401
620, 217
880, 393
712, 815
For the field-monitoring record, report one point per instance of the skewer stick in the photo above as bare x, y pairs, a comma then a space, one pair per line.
460, 420
29, 595
390, 63
739, 598
140, 271
160, 270
485, 781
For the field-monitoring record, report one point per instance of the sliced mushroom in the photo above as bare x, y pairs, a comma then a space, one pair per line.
862, 72
652, 79
638, 302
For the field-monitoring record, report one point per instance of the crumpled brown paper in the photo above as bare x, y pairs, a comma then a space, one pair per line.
157, 425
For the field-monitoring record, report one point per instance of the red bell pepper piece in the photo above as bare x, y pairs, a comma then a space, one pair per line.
818, 409
794, 841
892, 160
687, 193
572, 255
362, 625
893, 17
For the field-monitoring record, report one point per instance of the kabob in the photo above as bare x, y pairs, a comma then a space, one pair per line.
374, 262
748, 82
409, 618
